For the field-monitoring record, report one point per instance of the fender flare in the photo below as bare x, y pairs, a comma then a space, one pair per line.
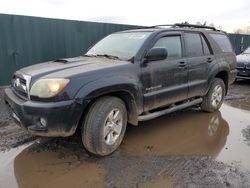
127, 89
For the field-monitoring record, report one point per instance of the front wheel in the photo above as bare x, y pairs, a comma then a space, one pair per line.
214, 98
104, 126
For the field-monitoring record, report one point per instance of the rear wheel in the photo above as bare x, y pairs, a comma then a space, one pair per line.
214, 98
104, 126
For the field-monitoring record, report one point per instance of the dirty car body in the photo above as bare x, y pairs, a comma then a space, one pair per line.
155, 74
63, 111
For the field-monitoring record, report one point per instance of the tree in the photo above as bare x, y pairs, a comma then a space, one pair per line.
243, 30
209, 24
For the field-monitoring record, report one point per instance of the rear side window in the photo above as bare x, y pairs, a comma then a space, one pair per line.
222, 41
193, 44
172, 44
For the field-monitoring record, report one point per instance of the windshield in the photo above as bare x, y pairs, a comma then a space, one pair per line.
121, 45
247, 51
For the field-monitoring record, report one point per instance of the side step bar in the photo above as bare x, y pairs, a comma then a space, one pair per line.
169, 110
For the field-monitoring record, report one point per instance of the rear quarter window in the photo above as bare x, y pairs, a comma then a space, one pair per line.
222, 41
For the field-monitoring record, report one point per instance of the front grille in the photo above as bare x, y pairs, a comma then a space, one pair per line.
241, 65
248, 65
20, 86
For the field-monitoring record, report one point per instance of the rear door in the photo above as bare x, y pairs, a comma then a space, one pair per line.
165, 81
199, 57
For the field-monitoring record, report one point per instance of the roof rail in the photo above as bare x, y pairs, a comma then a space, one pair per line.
187, 25
194, 26
154, 26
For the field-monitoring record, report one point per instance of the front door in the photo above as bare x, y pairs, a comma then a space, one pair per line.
165, 81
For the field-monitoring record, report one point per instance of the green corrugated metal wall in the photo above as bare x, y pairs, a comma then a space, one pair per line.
239, 42
28, 40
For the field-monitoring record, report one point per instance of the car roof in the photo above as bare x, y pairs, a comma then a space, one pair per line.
169, 29
176, 27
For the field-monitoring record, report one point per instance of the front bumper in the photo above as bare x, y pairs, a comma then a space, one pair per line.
61, 117
243, 74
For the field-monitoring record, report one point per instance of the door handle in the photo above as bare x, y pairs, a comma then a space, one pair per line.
182, 64
209, 59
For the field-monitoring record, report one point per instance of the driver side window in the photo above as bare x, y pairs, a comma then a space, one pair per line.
172, 44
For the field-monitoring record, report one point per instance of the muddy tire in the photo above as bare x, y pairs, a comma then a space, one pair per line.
104, 126
215, 96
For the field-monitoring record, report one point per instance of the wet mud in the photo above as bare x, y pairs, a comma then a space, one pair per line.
239, 95
189, 148
11, 135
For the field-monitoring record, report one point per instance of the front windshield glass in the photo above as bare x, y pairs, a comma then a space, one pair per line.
121, 45
247, 51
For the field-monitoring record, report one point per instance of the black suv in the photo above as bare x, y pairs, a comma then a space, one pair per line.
128, 76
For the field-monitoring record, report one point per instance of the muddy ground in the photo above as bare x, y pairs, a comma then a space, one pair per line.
184, 149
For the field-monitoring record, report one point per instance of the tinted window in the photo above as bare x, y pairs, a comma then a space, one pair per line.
223, 42
172, 44
205, 46
193, 44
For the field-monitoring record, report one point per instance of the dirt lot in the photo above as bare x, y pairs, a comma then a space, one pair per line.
184, 149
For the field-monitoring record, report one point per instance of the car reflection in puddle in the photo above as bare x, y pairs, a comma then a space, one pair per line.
185, 133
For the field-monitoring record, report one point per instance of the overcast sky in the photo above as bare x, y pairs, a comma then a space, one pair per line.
229, 14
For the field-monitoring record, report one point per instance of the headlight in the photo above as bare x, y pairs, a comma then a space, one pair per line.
45, 88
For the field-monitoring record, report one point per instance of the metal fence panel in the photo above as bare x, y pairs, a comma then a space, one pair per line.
239, 42
28, 40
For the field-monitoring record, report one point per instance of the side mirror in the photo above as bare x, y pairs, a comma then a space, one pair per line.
156, 54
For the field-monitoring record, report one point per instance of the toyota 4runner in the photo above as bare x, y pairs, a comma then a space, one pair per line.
128, 76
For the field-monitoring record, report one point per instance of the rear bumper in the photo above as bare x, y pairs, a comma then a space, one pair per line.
232, 76
61, 117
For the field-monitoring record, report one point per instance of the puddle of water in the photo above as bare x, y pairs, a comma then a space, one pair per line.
7, 177
186, 133
235, 148
218, 135
45, 169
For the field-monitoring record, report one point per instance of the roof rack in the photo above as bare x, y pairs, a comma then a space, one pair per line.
194, 26
187, 25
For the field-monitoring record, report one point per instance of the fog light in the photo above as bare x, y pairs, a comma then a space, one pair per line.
43, 122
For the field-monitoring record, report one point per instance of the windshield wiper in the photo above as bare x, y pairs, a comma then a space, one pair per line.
107, 56
101, 55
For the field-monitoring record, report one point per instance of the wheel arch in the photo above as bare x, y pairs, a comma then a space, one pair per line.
129, 102
224, 76
126, 96
218, 72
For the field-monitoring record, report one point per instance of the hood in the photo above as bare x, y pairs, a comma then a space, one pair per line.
243, 58
70, 66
